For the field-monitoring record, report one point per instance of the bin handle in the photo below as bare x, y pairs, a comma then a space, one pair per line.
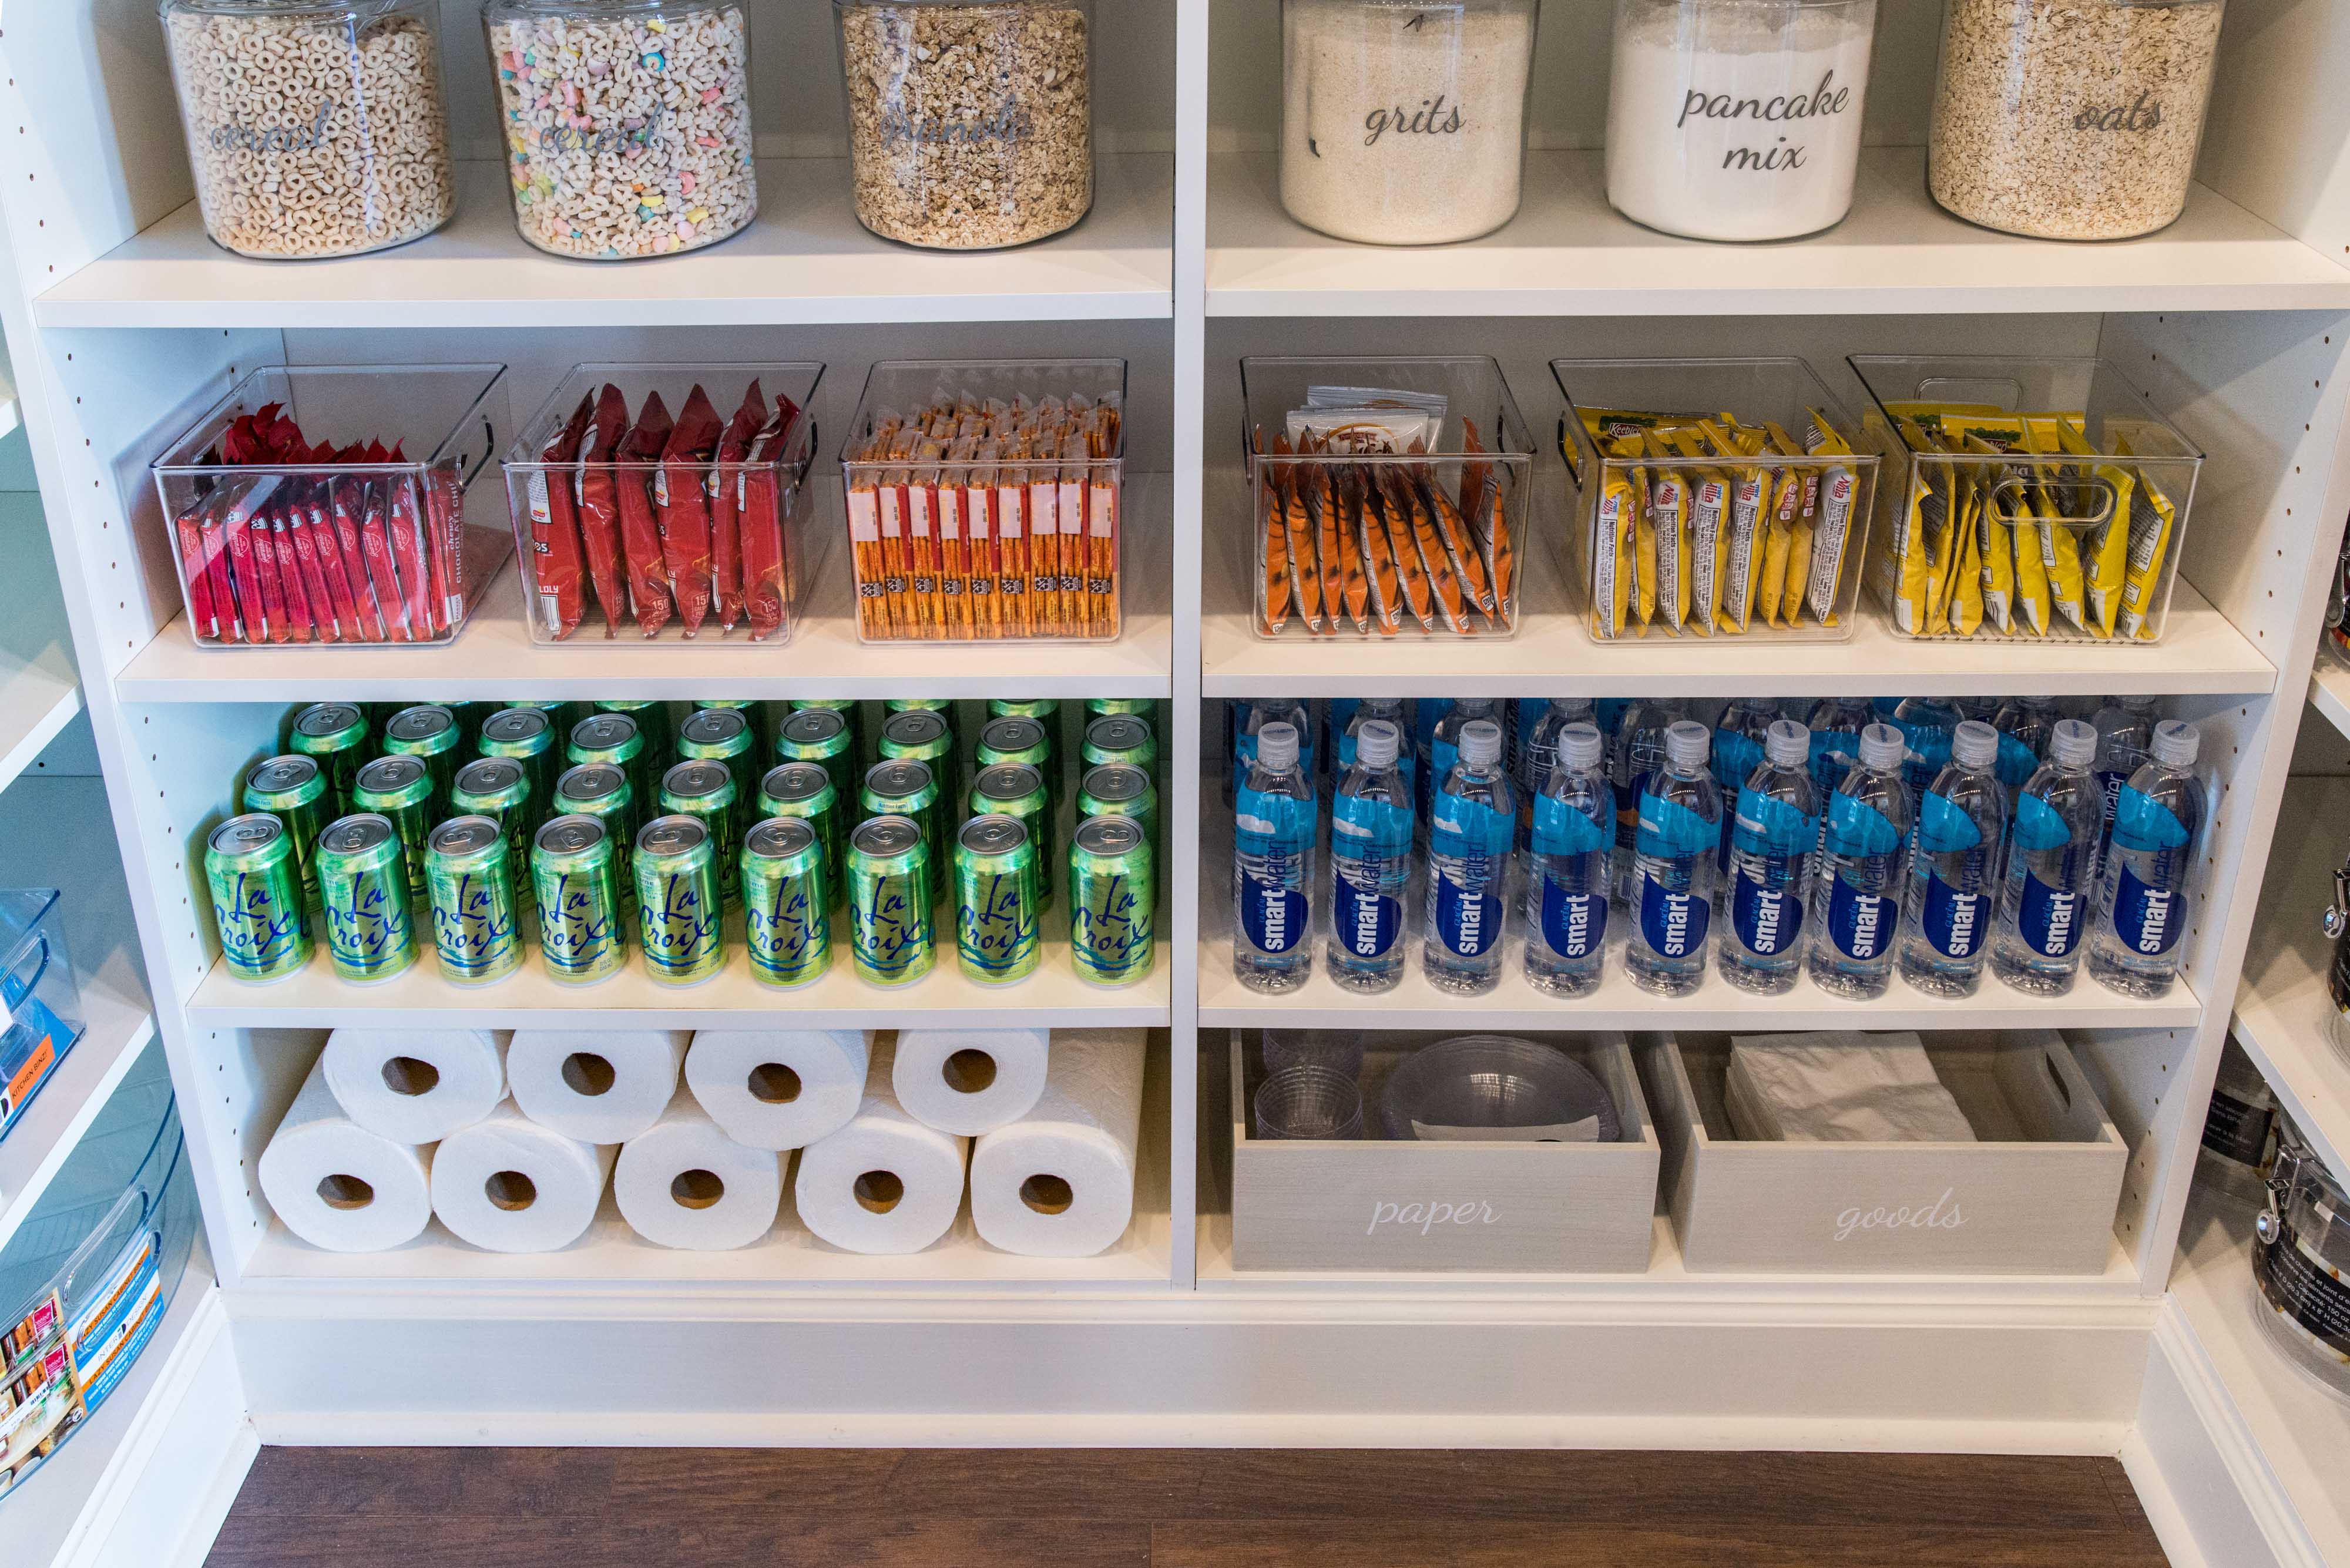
2007, 500
10, 992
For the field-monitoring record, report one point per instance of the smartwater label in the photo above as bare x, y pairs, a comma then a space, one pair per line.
1274, 834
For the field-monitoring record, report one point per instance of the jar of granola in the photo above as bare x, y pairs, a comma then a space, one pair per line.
970, 121
627, 123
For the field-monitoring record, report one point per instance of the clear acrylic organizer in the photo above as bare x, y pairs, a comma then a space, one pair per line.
43, 1000
372, 543
2070, 493
1385, 542
1712, 498
665, 517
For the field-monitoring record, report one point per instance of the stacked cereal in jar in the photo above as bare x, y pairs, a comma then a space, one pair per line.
627, 123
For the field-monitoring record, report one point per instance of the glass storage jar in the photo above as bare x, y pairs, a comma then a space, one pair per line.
2300, 1246
970, 125
314, 130
1402, 123
1739, 120
627, 122
2070, 120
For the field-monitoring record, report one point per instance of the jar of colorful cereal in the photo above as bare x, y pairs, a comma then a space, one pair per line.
627, 123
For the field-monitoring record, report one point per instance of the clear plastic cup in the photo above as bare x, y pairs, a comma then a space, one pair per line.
1309, 1102
1475, 1086
1340, 1051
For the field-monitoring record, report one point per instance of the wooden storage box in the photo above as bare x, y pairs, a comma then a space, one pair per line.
2037, 1196
1379, 1205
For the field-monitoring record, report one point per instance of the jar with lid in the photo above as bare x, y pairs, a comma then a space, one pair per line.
313, 130
971, 122
1404, 123
627, 123
2070, 120
1737, 120
2300, 1246
2239, 1130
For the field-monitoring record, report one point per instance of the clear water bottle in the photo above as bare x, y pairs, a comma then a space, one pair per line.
1925, 723
1774, 832
1983, 710
2044, 909
1566, 866
1537, 754
1254, 716
1672, 866
2142, 902
1370, 862
1470, 835
1835, 725
1386, 708
2025, 726
1857, 896
1946, 929
1444, 744
1273, 865
1636, 751
2125, 730
1738, 739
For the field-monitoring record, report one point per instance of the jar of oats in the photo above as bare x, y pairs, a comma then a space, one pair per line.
970, 121
627, 122
2070, 120
313, 130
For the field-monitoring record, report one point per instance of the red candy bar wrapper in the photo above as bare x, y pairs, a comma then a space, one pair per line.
685, 507
273, 588
599, 503
188, 532
215, 531
726, 505
330, 555
298, 621
375, 545
409, 555
299, 527
640, 544
348, 501
559, 568
264, 621
760, 512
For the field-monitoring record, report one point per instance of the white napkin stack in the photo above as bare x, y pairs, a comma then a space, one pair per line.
1839, 1087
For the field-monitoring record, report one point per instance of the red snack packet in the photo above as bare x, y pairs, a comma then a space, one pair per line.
298, 622
213, 528
329, 556
726, 505
409, 555
760, 514
684, 507
641, 543
301, 529
188, 534
599, 515
559, 569
347, 503
265, 610
375, 545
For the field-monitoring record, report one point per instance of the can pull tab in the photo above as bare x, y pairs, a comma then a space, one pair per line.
2336, 919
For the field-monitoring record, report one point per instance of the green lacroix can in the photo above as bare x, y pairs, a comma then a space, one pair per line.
822, 735
256, 897
786, 922
335, 734
678, 901
363, 878
724, 735
1103, 707
805, 790
910, 790
651, 719
526, 735
602, 791
752, 712
851, 717
575, 866
401, 789
922, 735
891, 939
293, 789
1042, 708
476, 915
497, 788
706, 790
999, 912
1112, 901
614, 738
469, 717
1019, 740
429, 733
1014, 789
1120, 789
1120, 738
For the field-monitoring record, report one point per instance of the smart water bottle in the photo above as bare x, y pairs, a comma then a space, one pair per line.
1469, 839
1836, 725
1635, 750
2025, 726
1774, 831
1857, 896
1946, 929
2044, 909
1272, 865
1286, 711
1370, 862
1672, 866
1925, 723
1537, 756
1566, 867
2142, 903
2124, 728
1444, 744
1738, 739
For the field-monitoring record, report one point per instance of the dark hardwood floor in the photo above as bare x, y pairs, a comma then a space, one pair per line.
716, 1508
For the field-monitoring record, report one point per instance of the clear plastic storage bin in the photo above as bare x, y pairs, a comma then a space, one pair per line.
2028, 498
335, 504
667, 502
1713, 498
43, 999
1354, 534
986, 500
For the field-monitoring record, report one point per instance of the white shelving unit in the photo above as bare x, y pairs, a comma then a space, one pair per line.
2235, 321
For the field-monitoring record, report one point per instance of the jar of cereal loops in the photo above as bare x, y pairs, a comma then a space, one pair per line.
314, 130
627, 123
970, 121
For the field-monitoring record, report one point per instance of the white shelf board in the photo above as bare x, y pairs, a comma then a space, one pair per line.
2301, 1429
10, 415
116, 1031
494, 658
806, 260
1567, 252
2201, 651
39, 691
2329, 692
2285, 1018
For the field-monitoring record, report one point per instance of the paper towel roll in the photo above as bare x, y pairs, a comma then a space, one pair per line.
508, 1185
338, 1185
1059, 1182
416, 1086
971, 1081
778, 1088
884, 1183
684, 1183
600, 1086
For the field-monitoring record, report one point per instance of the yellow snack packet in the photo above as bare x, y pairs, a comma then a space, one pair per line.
1994, 545
2060, 538
1778, 525
1605, 425
1924, 511
1837, 487
1750, 498
1965, 603
1708, 540
1612, 568
1671, 494
2153, 519
2105, 558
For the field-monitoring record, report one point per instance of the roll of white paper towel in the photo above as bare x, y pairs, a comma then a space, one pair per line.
339, 1186
778, 1088
1059, 1182
684, 1183
600, 1086
416, 1086
971, 1081
884, 1183
508, 1185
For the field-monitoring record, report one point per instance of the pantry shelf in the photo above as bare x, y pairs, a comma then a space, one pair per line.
806, 260
494, 657
39, 691
2329, 692
9, 416
1567, 252
119, 1028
